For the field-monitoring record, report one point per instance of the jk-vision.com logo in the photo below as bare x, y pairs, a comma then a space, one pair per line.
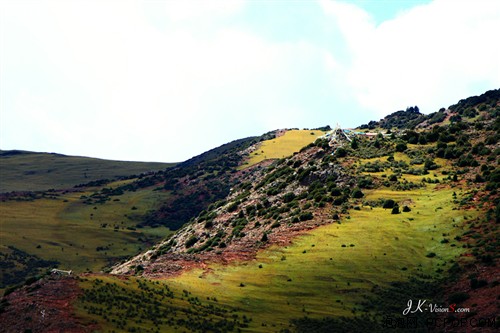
423, 306
414, 317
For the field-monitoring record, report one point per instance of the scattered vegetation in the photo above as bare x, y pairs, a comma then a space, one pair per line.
383, 218
137, 305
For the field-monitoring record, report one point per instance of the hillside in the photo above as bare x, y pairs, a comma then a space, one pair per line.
31, 171
337, 236
466, 110
91, 226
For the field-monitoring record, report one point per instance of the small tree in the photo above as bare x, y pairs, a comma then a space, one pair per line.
422, 140
354, 143
341, 152
357, 193
288, 197
191, 241
232, 207
400, 147
306, 216
389, 203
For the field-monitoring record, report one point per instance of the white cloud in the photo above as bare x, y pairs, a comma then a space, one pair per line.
108, 79
430, 55
178, 11
167, 80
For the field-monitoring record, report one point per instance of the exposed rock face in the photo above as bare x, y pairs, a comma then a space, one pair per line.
271, 203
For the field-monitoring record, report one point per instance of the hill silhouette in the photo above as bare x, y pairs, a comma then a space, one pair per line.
338, 236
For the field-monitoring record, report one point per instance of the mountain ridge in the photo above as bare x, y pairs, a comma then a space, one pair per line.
338, 234
36, 171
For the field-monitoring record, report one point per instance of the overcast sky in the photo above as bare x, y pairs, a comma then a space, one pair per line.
167, 80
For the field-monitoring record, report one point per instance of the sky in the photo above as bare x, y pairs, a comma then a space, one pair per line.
167, 80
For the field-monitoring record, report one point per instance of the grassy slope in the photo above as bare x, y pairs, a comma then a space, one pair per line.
69, 230
29, 171
89, 228
163, 310
316, 276
317, 282
292, 141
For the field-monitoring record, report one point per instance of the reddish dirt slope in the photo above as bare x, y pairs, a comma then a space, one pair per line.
45, 306
484, 302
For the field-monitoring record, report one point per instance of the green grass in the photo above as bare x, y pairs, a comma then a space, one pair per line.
78, 235
384, 245
292, 141
316, 276
397, 157
138, 305
30, 171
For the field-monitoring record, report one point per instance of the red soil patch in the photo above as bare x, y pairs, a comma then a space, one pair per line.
44, 306
483, 302
240, 250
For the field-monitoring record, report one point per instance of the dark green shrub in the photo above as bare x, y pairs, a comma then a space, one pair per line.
389, 203
430, 165
272, 191
366, 182
341, 152
458, 297
318, 197
400, 147
354, 144
487, 259
303, 174
467, 160
288, 197
437, 117
475, 283
336, 192
357, 193
232, 207
31, 280
191, 241
339, 200
305, 216
479, 179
